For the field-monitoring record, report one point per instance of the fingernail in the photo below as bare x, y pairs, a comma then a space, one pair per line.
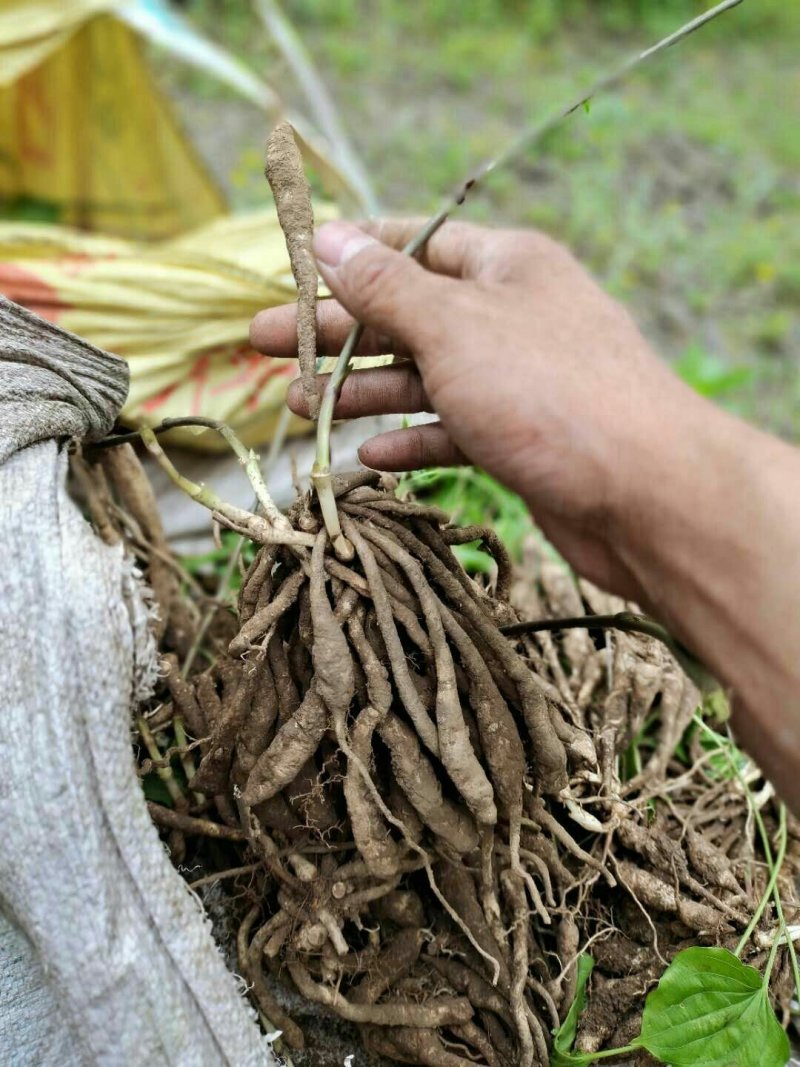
336, 242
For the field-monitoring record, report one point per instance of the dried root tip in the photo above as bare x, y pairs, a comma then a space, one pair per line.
472, 1035
417, 778
456, 750
512, 887
380, 852
262, 620
249, 961
467, 982
402, 677
654, 893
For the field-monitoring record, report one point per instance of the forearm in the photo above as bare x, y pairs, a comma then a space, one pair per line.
712, 534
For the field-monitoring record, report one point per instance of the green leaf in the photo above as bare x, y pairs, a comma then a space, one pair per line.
564, 1037
473, 559
712, 1010
709, 375
155, 790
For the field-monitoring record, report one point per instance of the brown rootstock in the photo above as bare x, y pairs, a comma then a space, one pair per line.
346, 906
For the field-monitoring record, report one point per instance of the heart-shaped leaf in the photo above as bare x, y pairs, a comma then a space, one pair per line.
712, 1010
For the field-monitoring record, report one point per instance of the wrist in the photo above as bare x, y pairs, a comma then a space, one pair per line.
705, 521
677, 517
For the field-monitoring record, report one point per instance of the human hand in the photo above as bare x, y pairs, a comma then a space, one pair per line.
537, 376
543, 380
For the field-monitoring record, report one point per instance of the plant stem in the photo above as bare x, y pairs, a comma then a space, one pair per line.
776, 893
774, 871
773, 952
606, 1054
621, 620
248, 459
257, 527
201, 493
321, 475
153, 751
536, 131
277, 443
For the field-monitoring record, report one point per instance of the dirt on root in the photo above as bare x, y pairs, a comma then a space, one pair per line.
433, 819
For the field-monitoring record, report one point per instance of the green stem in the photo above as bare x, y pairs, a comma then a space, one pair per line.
321, 471
201, 493
278, 441
257, 527
773, 952
536, 131
773, 878
154, 752
246, 456
606, 1054
776, 893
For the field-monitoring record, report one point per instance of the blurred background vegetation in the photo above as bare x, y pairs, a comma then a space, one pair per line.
681, 190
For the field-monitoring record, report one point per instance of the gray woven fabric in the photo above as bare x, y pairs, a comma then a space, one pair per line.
105, 956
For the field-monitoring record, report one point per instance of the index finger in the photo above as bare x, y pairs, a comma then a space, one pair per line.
273, 332
457, 250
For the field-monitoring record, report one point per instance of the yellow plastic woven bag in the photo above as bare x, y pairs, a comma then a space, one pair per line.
179, 312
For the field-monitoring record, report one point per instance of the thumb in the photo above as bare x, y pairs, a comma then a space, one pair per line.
380, 287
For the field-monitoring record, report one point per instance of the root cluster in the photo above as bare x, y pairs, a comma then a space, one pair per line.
432, 820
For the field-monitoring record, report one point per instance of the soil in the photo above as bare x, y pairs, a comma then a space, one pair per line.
397, 877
